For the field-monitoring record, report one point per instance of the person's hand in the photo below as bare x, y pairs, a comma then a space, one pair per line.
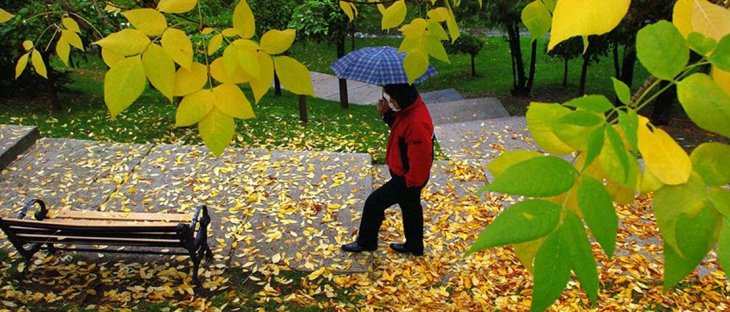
382, 106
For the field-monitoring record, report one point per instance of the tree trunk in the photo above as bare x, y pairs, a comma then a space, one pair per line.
277, 85
583, 73
519, 87
473, 67
616, 65
662, 112
627, 69
51, 91
533, 61
343, 83
565, 71
303, 109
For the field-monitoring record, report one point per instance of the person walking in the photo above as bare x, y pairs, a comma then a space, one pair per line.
409, 156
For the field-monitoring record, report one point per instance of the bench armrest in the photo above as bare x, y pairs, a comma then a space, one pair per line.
204, 219
39, 215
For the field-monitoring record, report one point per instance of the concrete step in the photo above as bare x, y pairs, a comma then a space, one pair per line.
14, 140
466, 110
446, 95
484, 139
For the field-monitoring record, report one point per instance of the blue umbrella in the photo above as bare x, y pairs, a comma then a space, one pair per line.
375, 65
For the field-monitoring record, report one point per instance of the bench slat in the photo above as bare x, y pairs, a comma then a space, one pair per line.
91, 225
131, 216
56, 239
135, 234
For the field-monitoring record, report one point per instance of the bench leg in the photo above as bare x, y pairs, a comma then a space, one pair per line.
196, 264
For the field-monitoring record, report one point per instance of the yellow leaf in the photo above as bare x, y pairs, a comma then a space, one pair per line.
230, 100
178, 46
453, 26
277, 41
435, 29
243, 20
160, 70
219, 73
710, 19
193, 108
585, 17
722, 78
436, 49
261, 84
73, 39
230, 32
247, 59
666, 160
540, 119
230, 59
22, 63
415, 64
394, 15
346, 7
276, 258
206, 31
314, 275
682, 16
187, 82
649, 183
526, 252
215, 43
63, 49
27, 45
176, 6
110, 58
123, 84
5, 16
125, 42
217, 130
439, 14
37, 60
381, 8
149, 21
293, 75
70, 24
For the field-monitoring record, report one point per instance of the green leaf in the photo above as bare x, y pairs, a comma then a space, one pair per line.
505, 160
700, 44
217, 130
622, 91
552, 271
720, 198
705, 103
123, 84
523, 222
620, 151
721, 56
661, 48
699, 234
629, 121
596, 140
712, 162
723, 245
671, 201
598, 211
591, 103
580, 254
537, 18
582, 119
540, 120
538, 177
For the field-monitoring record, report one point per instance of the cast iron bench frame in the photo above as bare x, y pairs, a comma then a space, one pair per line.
70, 227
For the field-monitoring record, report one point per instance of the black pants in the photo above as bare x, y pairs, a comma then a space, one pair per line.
409, 200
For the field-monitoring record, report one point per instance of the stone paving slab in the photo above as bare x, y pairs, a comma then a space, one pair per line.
14, 140
312, 208
68, 174
466, 110
176, 179
484, 139
439, 96
327, 87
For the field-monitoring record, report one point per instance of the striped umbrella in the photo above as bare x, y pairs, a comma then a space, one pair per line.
376, 65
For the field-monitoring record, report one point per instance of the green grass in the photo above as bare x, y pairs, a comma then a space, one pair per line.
331, 128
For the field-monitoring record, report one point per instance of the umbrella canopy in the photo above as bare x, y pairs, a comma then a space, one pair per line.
376, 65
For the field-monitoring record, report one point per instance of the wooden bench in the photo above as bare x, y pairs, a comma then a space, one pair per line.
177, 234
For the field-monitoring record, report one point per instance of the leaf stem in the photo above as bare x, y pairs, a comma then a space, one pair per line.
88, 23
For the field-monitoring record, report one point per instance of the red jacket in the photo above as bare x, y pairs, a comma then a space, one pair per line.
409, 152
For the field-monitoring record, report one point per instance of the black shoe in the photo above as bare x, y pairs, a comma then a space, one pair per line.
401, 248
355, 247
